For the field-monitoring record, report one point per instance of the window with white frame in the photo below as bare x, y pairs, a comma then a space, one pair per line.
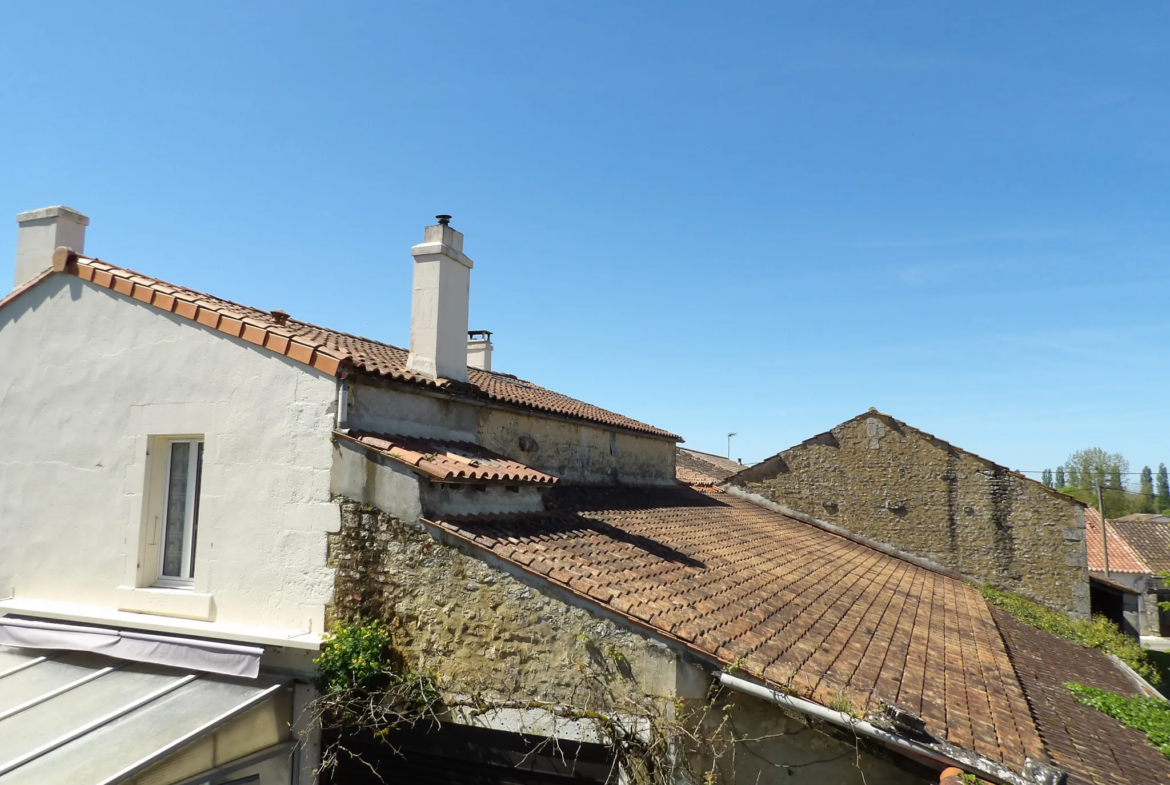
180, 513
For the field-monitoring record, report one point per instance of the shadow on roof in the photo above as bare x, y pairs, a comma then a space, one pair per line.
566, 527
586, 498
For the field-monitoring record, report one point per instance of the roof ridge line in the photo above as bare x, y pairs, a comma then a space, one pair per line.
330, 351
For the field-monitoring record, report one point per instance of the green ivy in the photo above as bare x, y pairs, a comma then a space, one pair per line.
1098, 633
1145, 714
355, 655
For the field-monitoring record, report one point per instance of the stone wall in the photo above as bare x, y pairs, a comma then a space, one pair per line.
480, 627
574, 451
483, 629
881, 479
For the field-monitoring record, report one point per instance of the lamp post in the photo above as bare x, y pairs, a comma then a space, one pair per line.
729, 445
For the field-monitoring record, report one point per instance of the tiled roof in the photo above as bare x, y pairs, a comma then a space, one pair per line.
1144, 516
700, 468
448, 461
1122, 556
335, 352
1150, 540
803, 609
1092, 747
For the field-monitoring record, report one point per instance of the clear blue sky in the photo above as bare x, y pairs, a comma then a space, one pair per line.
714, 217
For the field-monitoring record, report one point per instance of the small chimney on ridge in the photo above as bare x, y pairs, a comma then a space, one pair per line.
40, 232
438, 308
479, 349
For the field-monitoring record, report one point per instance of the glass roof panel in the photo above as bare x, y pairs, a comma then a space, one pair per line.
49, 721
10, 658
20, 687
141, 735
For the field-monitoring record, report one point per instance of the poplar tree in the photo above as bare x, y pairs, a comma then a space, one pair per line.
1060, 483
1046, 477
1162, 502
1146, 489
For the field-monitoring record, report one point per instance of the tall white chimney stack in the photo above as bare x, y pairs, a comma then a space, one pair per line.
438, 309
41, 231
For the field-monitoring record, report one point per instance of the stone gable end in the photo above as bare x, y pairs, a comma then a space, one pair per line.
878, 478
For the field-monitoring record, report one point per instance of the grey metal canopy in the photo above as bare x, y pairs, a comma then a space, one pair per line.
78, 717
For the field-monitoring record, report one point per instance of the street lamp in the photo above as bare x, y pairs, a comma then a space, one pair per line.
729, 445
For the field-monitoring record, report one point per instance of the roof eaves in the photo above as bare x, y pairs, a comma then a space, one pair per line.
473, 475
216, 314
320, 349
24, 287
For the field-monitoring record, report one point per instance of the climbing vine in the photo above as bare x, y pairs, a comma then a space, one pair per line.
367, 687
1098, 633
1150, 715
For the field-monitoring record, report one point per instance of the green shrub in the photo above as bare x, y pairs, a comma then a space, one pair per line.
359, 657
355, 655
1099, 633
1145, 714
1161, 662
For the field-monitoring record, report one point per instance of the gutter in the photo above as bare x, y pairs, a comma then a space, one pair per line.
1035, 772
1142, 685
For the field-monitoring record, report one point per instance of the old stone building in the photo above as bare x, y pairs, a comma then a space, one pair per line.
881, 479
702, 468
208, 488
1126, 571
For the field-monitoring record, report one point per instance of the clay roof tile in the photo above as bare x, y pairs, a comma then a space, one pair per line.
351, 352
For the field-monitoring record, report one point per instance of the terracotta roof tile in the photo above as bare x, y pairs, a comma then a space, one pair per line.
799, 607
1123, 557
448, 461
1149, 540
699, 468
330, 351
1092, 747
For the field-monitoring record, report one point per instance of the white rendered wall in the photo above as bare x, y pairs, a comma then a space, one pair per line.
87, 376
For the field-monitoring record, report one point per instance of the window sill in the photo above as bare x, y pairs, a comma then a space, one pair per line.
182, 603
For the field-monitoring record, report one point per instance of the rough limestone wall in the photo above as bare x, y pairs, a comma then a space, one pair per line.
873, 478
577, 452
480, 628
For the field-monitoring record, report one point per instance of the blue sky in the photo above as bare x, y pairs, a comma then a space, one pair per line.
762, 218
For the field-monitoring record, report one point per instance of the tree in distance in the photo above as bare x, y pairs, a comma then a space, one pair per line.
1162, 497
1146, 489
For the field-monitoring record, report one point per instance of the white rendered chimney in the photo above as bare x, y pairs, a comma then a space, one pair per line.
41, 231
479, 349
438, 309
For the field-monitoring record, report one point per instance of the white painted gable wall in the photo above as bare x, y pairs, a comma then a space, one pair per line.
86, 375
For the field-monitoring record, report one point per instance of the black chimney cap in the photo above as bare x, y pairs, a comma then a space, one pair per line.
444, 220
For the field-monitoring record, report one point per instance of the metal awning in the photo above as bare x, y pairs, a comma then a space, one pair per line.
80, 717
189, 653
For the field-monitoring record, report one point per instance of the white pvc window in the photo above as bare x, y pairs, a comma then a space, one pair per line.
180, 518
